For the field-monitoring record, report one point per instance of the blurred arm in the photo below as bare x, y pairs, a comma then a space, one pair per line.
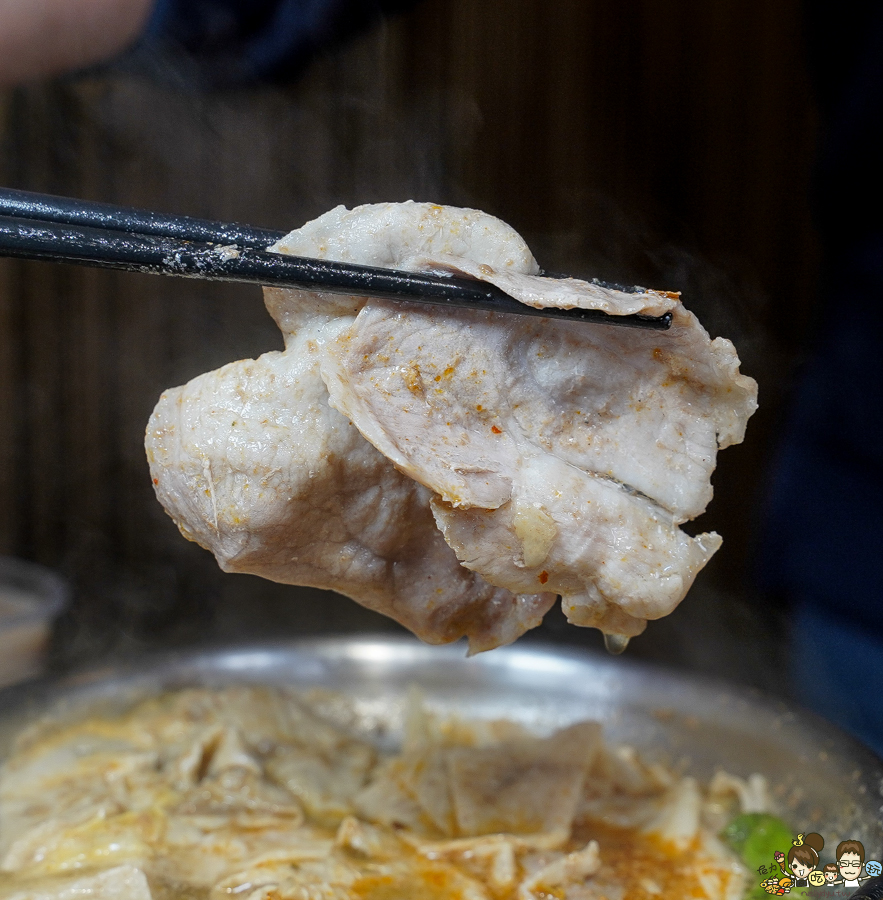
39, 38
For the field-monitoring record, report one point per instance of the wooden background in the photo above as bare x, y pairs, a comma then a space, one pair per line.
666, 143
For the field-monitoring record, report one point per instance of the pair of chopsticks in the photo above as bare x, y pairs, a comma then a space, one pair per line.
61, 229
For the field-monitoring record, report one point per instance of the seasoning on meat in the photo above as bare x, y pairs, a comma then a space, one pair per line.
456, 470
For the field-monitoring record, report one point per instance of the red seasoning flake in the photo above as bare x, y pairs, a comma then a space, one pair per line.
496, 430
544, 576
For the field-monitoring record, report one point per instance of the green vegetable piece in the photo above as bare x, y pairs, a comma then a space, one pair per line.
755, 837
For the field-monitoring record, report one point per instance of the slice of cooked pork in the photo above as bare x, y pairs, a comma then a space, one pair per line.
547, 457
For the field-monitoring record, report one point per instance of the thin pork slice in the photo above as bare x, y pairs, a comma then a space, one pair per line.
560, 457
546, 457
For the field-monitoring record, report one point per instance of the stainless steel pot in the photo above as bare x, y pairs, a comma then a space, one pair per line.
822, 780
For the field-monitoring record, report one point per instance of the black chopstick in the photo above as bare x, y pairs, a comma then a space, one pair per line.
59, 229
69, 211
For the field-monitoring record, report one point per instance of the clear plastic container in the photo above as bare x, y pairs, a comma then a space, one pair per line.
31, 596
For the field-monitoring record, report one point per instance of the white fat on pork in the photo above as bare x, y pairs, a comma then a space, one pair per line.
454, 469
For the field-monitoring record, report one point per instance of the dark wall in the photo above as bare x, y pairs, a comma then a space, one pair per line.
663, 143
